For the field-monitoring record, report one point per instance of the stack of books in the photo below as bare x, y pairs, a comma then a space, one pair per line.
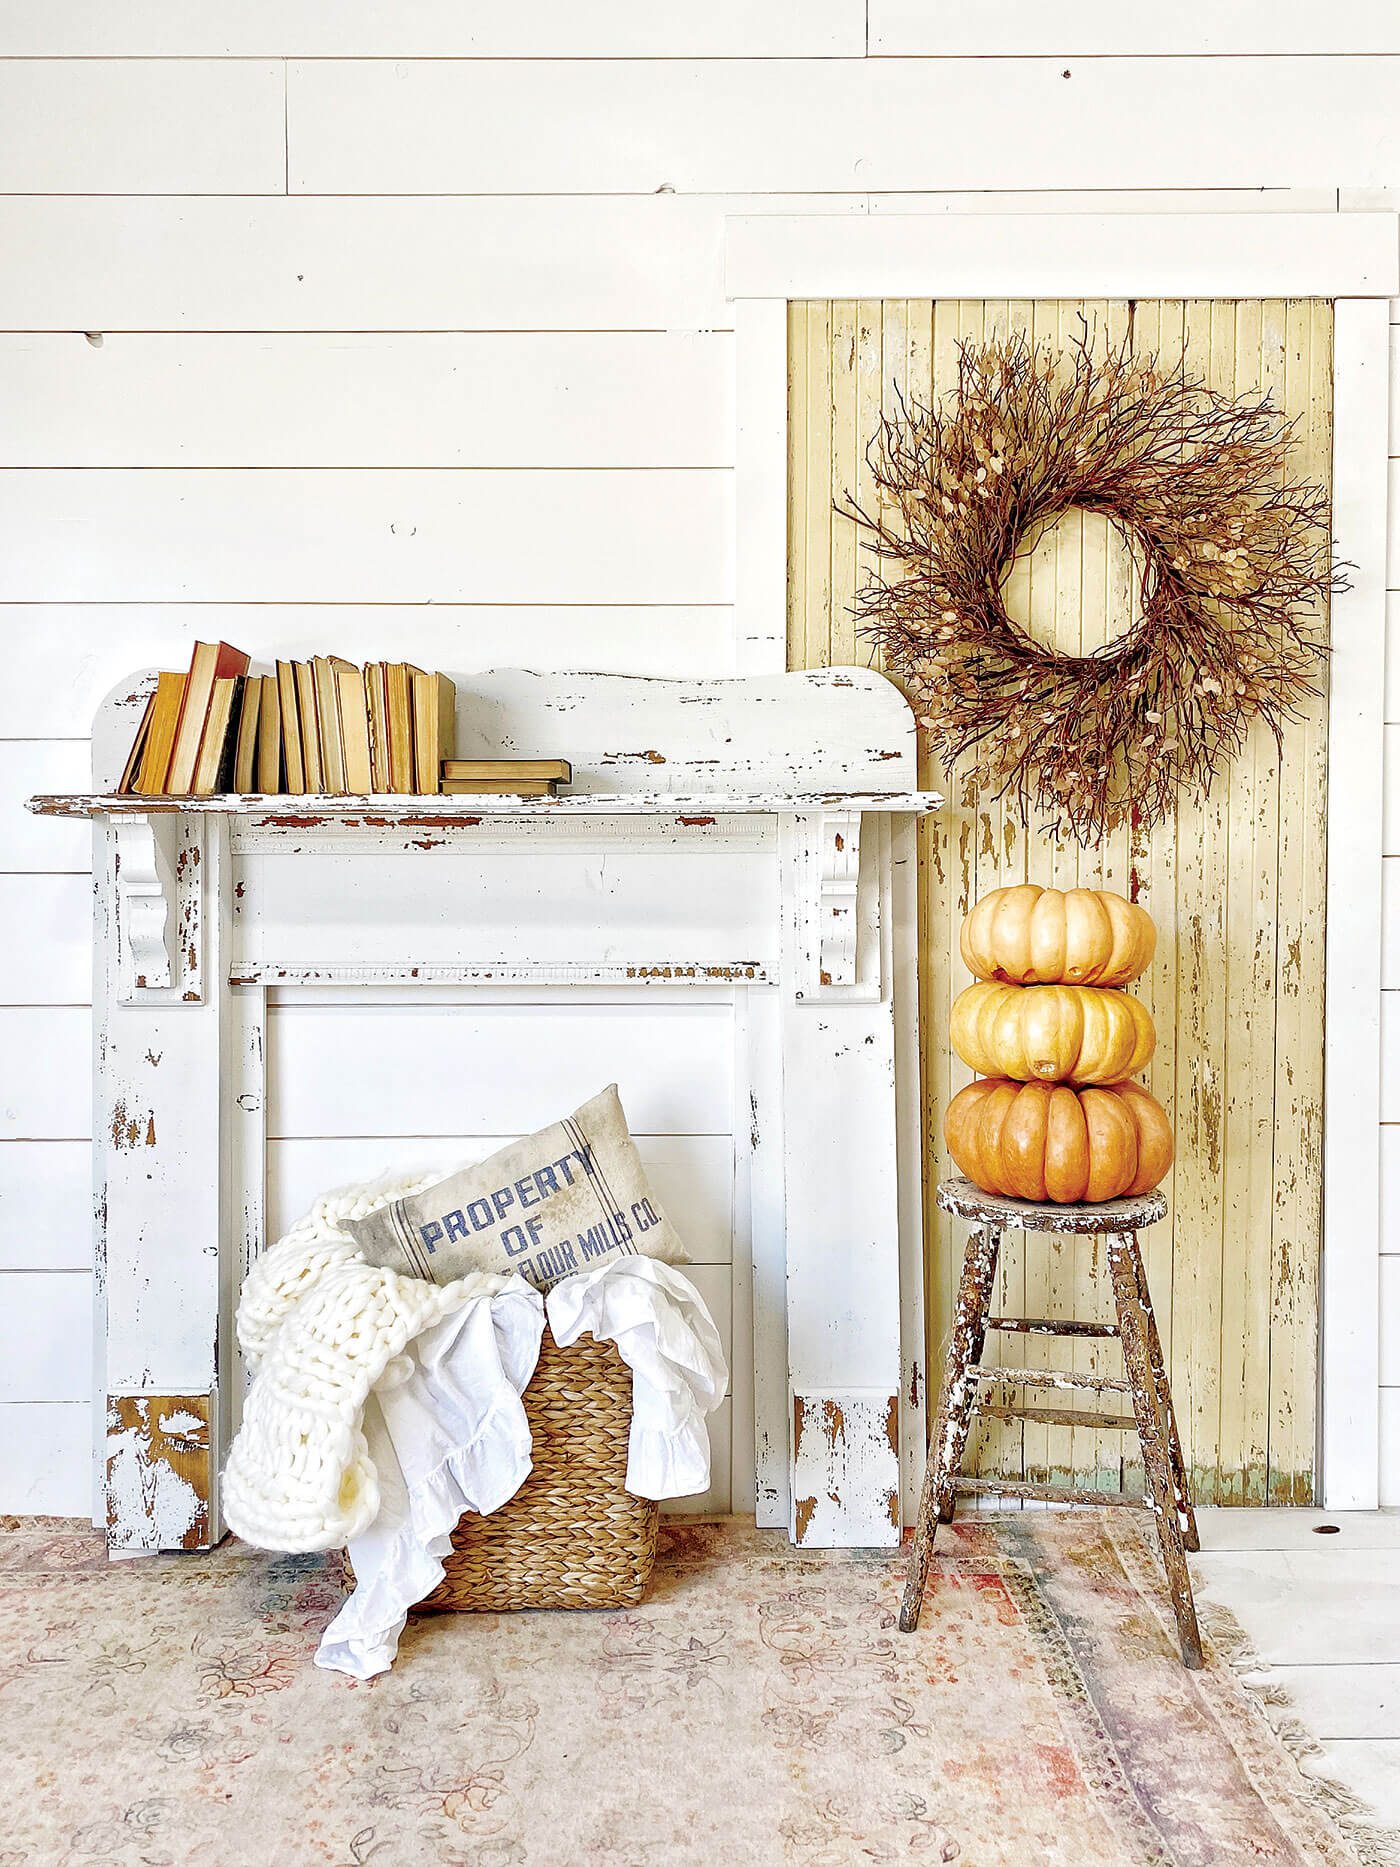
323, 727
513, 777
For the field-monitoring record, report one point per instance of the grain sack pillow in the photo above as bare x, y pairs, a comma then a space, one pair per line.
557, 1202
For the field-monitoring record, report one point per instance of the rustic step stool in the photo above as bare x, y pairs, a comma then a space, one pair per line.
1152, 1418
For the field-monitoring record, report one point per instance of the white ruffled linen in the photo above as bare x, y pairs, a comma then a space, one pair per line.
449, 1436
452, 1435
664, 1333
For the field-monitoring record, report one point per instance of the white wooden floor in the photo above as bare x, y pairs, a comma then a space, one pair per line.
1323, 1613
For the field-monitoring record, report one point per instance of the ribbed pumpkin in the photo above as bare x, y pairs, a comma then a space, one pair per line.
1052, 1033
1044, 1141
1045, 936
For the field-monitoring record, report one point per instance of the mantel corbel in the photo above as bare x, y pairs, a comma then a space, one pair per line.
838, 891
833, 957
158, 899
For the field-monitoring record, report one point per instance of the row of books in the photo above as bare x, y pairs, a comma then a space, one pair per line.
320, 726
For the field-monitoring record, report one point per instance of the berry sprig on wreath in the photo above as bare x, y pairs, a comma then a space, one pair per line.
1236, 570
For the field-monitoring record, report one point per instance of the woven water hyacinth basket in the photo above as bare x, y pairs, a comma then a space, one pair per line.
572, 1536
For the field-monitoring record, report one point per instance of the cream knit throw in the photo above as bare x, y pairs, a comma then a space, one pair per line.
320, 1329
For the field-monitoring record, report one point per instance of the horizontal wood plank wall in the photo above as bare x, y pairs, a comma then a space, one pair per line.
1235, 885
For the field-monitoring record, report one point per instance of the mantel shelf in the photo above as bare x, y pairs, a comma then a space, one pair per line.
385, 811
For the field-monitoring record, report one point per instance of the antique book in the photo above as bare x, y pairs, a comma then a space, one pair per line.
138, 746
328, 724
354, 726
376, 694
558, 769
214, 767
270, 738
293, 762
211, 661
434, 728
245, 756
310, 729
160, 735
500, 787
398, 686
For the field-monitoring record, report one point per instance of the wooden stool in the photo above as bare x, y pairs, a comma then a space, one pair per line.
1153, 1419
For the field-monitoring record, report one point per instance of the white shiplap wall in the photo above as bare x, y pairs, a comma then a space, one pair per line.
404, 329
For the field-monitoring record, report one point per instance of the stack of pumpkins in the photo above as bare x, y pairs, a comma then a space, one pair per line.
1055, 1037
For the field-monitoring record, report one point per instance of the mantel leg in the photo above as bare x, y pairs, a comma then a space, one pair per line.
842, 1213
163, 1210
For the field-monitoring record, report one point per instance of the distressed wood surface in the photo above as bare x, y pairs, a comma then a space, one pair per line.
1234, 884
966, 1201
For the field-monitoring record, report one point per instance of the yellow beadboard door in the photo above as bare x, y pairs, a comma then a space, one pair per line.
1235, 885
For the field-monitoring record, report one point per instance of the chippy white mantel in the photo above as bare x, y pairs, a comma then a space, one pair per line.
751, 837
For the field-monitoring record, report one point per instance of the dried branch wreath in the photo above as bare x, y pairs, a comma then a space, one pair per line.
1236, 568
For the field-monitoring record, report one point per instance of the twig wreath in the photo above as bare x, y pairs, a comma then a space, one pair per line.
1236, 568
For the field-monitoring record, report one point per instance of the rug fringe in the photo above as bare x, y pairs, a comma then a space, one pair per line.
1375, 1844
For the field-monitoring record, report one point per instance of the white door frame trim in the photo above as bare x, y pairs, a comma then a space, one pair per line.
1353, 259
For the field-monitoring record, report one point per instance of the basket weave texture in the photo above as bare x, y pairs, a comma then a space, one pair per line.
572, 1536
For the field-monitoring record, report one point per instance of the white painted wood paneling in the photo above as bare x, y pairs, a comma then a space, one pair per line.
46, 939
503, 399
685, 904
1105, 26
45, 1335
1390, 1320
440, 126
141, 126
469, 1069
28, 845
692, 1176
1390, 920
1390, 1190
438, 29
90, 535
45, 1206
1392, 637
46, 1458
1390, 1059
363, 265
1390, 1447
45, 1073
1063, 255
64, 658
1390, 793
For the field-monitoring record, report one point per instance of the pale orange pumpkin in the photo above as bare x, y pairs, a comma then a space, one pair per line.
1052, 1033
1045, 936
1044, 1141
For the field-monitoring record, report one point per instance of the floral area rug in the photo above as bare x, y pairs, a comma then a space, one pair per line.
759, 1707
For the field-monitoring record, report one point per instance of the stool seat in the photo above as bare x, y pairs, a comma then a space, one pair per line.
966, 1377
966, 1201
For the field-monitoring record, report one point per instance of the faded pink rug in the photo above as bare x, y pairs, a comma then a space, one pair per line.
758, 1708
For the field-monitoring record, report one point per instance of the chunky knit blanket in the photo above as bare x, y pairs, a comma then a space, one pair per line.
321, 1329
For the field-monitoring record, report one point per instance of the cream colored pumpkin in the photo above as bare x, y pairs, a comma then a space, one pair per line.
1045, 936
1052, 1033
1045, 1141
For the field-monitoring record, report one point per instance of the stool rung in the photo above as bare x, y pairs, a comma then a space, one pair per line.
1052, 1378
1052, 1494
1050, 1325
1059, 1416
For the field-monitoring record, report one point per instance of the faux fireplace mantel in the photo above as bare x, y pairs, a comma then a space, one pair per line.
751, 837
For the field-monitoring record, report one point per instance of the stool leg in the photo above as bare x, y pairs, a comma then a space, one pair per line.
1157, 1360
949, 1441
1132, 1328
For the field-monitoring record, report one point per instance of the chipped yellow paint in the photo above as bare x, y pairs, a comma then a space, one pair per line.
1235, 885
